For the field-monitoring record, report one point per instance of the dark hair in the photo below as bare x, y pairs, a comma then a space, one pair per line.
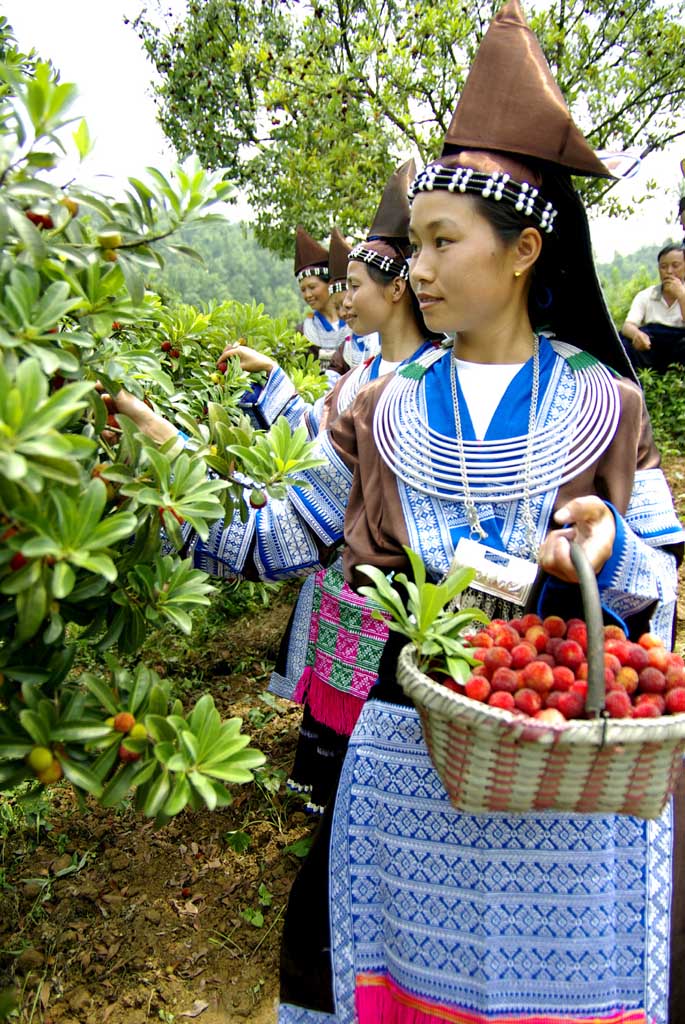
508, 223
673, 247
380, 277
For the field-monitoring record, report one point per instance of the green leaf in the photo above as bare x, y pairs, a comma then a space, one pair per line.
80, 776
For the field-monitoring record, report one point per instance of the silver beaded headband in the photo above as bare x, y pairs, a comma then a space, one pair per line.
498, 185
337, 286
311, 272
395, 267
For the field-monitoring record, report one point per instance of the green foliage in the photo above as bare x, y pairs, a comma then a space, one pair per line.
235, 267
665, 398
625, 276
426, 618
335, 92
92, 513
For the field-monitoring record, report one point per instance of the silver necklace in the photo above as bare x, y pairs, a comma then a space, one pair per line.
475, 528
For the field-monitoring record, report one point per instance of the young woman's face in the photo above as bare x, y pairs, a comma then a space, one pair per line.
314, 291
366, 303
338, 298
461, 272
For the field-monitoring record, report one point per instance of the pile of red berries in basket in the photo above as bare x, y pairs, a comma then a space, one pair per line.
538, 667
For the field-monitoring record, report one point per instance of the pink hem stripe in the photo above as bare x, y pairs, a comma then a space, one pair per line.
379, 1000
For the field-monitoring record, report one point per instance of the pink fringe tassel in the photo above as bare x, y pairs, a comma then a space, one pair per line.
334, 708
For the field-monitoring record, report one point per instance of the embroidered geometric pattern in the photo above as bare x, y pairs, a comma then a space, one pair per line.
279, 397
345, 641
322, 504
284, 685
650, 512
284, 546
288, 1014
490, 915
225, 550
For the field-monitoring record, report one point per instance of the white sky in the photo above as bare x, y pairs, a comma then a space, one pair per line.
89, 43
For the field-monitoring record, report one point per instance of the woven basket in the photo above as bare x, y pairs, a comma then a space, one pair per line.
492, 760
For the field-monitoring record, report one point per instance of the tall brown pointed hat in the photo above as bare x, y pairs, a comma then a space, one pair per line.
337, 261
511, 110
311, 259
511, 103
387, 242
392, 215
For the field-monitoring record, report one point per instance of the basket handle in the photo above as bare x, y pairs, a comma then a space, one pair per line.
596, 686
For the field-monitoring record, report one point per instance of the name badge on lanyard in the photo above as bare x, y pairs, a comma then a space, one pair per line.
497, 572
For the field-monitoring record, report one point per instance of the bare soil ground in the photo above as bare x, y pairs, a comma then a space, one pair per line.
104, 919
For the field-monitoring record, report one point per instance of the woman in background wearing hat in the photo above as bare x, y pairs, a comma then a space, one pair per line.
322, 327
356, 348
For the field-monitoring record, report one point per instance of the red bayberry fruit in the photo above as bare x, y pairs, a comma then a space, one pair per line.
675, 661
127, 756
537, 636
553, 645
505, 636
538, 676
174, 353
554, 625
618, 704
477, 688
112, 421
41, 220
619, 648
563, 678
517, 625
18, 561
657, 657
527, 700
453, 685
614, 632
222, 366
481, 639
502, 700
612, 663
577, 631
571, 654
652, 681
675, 700
497, 657
645, 709
571, 705
521, 654
627, 678
657, 699
552, 699
124, 721
504, 679
165, 346
547, 658
648, 640
637, 657
530, 620
550, 715
675, 677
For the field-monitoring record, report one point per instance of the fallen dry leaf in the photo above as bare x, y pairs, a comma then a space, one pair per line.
198, 1007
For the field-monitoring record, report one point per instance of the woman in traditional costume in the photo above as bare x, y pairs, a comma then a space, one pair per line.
329, 656
323, 328
407, 910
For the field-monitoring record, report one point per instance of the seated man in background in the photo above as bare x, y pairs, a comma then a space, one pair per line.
654, 330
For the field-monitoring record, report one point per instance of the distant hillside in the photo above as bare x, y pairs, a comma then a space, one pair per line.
235, 267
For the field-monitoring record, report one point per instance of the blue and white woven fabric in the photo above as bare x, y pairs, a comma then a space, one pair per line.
489, 917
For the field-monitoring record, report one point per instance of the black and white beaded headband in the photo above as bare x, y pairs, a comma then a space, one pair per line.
312, 272
498, 185
395, 267
337, 286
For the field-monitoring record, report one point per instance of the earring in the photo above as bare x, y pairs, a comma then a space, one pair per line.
517, 273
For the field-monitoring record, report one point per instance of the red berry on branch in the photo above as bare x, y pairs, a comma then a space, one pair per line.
18, 561
165, 346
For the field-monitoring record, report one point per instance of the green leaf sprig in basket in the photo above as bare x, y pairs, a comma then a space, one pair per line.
422, 612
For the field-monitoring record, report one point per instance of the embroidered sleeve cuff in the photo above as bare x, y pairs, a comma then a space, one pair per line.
322, 504
225, 551
279, 397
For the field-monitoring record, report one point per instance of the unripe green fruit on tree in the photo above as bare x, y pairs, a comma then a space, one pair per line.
258, 498
138, 732
109, 239
127, 756
51, 774
124, 721
40, 759
70, 204
110, 721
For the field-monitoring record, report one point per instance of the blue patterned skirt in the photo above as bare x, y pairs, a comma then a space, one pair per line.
437, 915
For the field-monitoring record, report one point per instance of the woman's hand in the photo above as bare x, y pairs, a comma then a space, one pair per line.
250, 359
147, 421
588, 521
